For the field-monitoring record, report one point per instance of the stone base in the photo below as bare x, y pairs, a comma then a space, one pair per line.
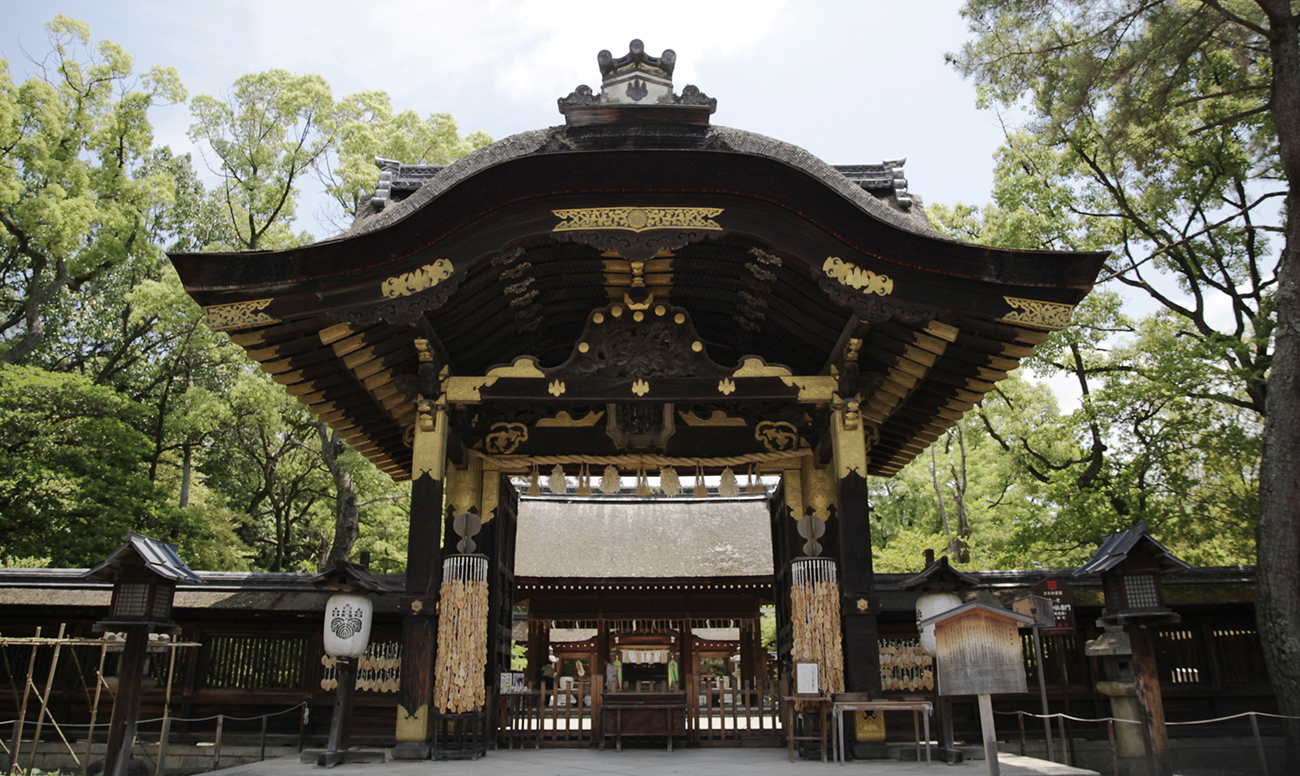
328, 759
412, 750
870, 750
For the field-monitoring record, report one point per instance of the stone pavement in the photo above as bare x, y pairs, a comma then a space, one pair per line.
653, 762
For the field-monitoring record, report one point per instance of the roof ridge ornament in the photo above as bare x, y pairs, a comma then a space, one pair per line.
637, 81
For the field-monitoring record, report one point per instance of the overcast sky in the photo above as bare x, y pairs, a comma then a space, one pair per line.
852, 81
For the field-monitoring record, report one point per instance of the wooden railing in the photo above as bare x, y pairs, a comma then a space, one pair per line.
720, 713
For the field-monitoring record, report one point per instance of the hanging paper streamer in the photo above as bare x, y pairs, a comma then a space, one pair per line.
728, 488
642, 481
815, 619
755, 486
556, 482
534, 486
701, 490
609, 483
462, 635
584, 481
669, 482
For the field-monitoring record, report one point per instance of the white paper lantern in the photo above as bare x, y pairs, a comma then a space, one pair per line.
347, 624
927, 606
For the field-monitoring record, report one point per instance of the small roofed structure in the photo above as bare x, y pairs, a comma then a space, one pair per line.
349, 577
646, 578
1130, 564
939, 577
144, 573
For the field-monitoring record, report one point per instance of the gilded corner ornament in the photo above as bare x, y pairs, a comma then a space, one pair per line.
238, 315
859, 279
424, 278
637, 219
1036, 314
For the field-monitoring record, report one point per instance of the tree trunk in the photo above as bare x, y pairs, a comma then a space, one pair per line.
347, 514
1278, 538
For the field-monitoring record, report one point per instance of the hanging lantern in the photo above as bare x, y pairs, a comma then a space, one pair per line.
928, 605
815, 619
347, 624
458, 683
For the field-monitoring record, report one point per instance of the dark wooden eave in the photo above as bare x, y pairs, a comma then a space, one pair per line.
510, 285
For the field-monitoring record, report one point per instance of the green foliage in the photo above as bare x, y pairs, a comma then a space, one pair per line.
368, 128
75, 192
272, 131
73, 477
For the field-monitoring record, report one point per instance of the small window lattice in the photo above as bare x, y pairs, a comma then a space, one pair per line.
131, 600
1140, 591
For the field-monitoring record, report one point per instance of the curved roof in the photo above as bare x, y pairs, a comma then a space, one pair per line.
727, 248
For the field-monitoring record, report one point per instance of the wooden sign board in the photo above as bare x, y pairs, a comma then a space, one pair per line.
1062, 598
979, 650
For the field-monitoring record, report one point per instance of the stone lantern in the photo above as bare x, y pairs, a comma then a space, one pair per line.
349, 613
1131, 564
144, 573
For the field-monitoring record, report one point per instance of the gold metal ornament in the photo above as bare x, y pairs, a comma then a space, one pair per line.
424, 278
859, 279
1036, 314
637, 219
238, 315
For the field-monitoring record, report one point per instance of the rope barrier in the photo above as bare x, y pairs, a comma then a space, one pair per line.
232, 718
1137, 722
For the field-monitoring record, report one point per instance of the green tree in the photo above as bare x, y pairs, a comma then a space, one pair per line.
1179, 125
272, 132
367, 128
73, 476
75, 196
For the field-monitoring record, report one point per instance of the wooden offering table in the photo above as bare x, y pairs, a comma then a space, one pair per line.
642, 714
842, 702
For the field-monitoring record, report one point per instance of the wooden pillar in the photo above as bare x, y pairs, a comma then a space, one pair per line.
857, 579
1151, 707
539, 641
419, 605
686, 653
126, 706
748, 636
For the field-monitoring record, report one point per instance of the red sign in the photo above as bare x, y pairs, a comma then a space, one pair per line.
1062, 598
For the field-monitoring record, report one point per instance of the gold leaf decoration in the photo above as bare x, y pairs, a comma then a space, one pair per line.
238, 315
640, 387
424, 278
556, 388
863, 280
638, 219
1037, 315
726, 387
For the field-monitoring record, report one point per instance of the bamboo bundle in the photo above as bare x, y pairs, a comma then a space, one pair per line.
462, 635
815, 616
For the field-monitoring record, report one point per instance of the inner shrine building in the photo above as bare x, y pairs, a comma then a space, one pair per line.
642, 292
